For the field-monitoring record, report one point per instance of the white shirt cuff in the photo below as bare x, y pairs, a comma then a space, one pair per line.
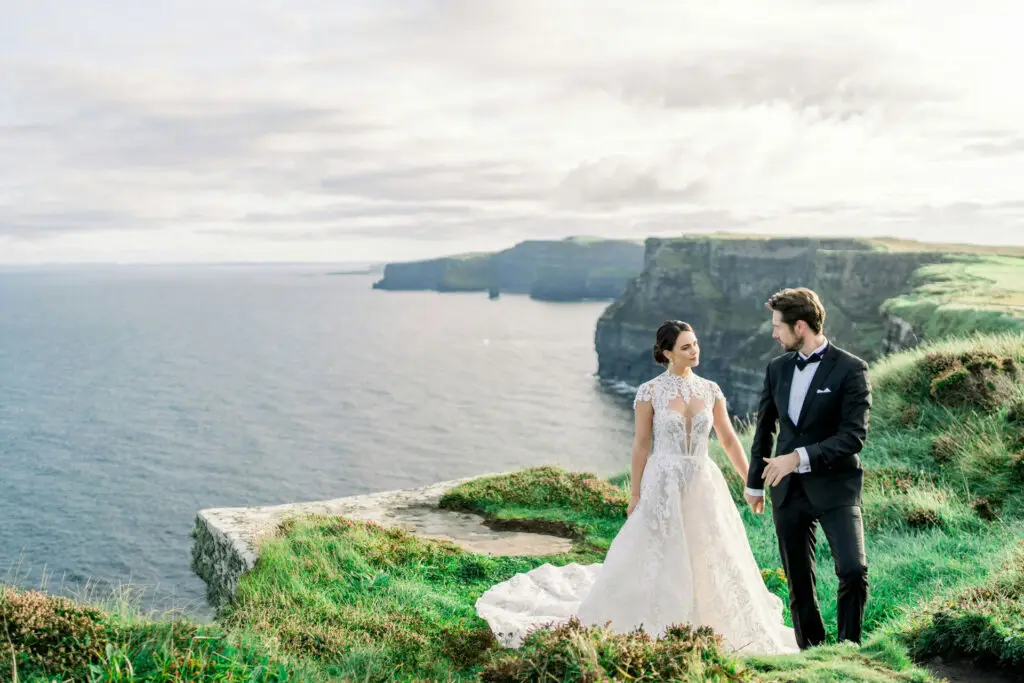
805, 461
755, 492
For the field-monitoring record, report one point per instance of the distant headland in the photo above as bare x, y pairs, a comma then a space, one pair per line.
573, 269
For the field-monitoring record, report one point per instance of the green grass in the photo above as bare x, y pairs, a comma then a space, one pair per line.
333, 599
48, 638
983, 621
370, 603
547, 499
980, 293
896, 244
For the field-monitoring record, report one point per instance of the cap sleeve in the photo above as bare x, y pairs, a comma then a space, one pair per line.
643, 394
716, 391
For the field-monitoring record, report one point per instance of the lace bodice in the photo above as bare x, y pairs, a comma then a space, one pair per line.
683, 412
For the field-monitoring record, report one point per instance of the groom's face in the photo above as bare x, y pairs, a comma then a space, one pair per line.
785, 334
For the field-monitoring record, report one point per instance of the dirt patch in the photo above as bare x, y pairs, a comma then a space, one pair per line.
535, 526
986, 509
1015, 415
473, 533
966, 672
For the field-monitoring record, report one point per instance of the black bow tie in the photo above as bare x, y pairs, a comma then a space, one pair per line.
802, 363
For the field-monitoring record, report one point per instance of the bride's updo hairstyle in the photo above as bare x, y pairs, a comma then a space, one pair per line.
665, 340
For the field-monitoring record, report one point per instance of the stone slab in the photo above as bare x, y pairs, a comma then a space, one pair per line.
226, 540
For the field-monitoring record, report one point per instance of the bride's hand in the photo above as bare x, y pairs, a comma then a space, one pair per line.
632, 506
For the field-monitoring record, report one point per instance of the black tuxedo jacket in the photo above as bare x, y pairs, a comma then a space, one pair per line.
832, 425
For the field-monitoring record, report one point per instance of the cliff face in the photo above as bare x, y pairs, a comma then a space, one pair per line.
566, 270
720, 285
899, 334
468, 273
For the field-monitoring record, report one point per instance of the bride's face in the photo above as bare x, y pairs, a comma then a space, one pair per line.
686, 352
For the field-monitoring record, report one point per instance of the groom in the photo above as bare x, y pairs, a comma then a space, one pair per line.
820, 397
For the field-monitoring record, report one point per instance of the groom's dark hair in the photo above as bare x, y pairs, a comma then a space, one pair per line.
799, 303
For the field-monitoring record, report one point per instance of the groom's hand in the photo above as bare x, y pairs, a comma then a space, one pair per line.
775, 469
756, 503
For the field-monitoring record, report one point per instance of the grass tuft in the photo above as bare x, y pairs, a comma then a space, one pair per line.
576, 654
983, 623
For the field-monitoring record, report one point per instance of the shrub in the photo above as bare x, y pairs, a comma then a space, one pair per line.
575, 653
979, 380
50, 633
910, 416
774, 579
922, 518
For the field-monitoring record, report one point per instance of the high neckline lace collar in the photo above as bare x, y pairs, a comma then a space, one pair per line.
688, 377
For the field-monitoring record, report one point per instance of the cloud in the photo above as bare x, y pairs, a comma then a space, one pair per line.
468, 182
1009, 145
377, 130
614, 184
42, 225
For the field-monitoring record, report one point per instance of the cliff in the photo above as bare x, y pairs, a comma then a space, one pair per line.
465, 273
566, 270
880, 298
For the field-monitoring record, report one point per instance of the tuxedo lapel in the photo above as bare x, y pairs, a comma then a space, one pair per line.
785, 384
828, 363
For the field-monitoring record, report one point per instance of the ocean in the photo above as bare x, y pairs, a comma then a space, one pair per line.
134, 396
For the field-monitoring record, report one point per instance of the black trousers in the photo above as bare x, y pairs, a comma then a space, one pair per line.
796, 522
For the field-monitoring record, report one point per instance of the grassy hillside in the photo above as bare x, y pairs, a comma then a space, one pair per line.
967, 293
897, 244
332, 599
978, 288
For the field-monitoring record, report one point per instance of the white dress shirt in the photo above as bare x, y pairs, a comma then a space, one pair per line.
797, 392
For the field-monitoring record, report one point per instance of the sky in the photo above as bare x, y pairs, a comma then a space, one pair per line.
343, 130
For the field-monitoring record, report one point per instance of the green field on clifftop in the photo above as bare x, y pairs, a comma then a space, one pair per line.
978, 288
332, 599
982, 293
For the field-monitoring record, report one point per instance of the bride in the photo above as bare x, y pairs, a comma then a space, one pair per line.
682, 555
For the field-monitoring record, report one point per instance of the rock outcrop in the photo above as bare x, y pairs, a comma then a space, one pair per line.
573, 269
720, 285
899, 334
227, 540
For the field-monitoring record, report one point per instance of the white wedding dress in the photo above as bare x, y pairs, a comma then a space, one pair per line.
682, 557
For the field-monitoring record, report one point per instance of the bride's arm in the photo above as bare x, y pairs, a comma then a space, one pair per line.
644, 419
730, 442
